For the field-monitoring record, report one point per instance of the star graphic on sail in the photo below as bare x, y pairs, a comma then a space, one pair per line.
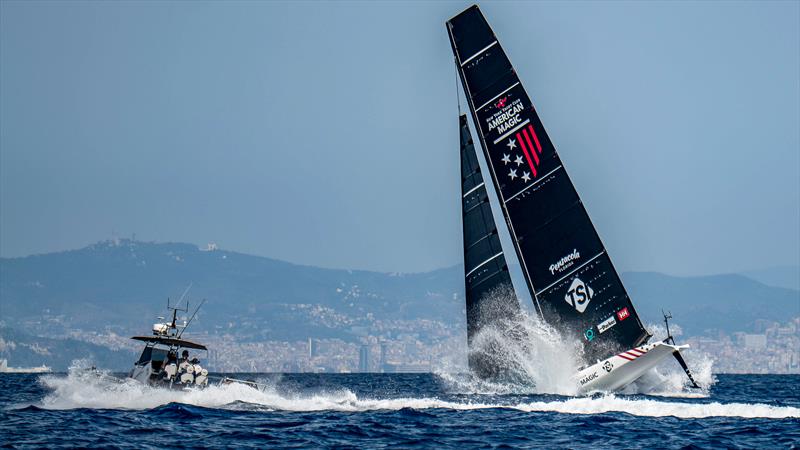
513, 173
512, 144
526, 176
518, 161
505, 159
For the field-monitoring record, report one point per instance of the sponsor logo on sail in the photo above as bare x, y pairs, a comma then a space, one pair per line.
623, 314
608, 366
565, 262
589, 334
606, 324
579, 295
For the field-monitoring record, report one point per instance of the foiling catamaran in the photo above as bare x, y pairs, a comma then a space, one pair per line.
570, 276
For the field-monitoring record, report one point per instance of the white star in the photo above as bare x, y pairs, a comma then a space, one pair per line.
512, 144
512, 173
505, 159
526, 176
518, 161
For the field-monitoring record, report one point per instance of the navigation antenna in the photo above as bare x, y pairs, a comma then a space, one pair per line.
175, 308
186, 324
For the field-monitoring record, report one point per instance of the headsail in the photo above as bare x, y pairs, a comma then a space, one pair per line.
485, 270
564, 263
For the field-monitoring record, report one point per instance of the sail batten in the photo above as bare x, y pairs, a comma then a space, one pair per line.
565, 264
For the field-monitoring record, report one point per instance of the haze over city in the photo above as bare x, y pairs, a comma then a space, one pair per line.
327, 134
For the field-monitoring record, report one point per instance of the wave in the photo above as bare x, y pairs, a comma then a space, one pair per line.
82, 389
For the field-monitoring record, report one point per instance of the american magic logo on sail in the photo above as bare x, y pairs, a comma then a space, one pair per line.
507, 117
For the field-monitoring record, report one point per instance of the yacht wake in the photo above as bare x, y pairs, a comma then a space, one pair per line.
540, 360
86, 389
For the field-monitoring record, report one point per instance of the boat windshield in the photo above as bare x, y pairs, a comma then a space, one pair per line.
152, 354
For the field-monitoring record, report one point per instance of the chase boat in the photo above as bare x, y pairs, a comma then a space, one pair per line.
160, 365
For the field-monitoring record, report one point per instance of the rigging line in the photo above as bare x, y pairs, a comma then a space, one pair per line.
458, 97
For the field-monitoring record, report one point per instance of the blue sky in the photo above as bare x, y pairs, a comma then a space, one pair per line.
326, 133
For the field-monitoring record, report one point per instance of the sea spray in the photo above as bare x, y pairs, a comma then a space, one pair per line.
530, 355
536, 358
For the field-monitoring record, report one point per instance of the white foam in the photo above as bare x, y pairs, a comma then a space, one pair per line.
87, 390
538, 359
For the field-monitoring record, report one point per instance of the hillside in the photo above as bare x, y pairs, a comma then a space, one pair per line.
117, 288
124, 285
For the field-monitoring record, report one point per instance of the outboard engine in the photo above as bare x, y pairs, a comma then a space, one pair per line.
201, 379
187, 377
170, 370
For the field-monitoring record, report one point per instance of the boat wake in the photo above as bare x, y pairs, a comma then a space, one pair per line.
92, 390
543, 361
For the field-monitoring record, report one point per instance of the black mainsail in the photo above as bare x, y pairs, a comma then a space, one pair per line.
487, 280
565, 265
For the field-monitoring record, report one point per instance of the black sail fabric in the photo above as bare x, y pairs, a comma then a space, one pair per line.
490, 299
571, 278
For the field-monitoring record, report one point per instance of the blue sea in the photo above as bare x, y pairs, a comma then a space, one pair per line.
83, 409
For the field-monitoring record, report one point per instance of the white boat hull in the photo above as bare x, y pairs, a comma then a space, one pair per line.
620, 370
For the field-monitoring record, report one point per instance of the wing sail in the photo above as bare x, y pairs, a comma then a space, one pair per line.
565, 265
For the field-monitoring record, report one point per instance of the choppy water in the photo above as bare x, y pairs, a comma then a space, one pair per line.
405, 410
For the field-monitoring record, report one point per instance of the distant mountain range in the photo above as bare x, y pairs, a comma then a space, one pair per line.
779, 276
122, 285
125, 284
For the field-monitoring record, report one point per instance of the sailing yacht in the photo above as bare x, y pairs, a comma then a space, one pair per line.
566, 268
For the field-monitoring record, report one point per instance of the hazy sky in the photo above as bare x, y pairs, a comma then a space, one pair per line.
326, 133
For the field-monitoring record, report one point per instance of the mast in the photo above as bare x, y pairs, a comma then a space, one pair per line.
564, 263
490, 298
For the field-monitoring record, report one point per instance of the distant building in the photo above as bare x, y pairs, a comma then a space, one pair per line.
313, 348
363, 359
755, 341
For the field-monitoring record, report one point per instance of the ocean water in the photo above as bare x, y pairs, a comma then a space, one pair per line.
83, 409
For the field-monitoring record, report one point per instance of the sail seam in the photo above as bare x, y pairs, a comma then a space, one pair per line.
479, 53
498, 95
473, 189
572, 271
512, 131
482, 264
535, 183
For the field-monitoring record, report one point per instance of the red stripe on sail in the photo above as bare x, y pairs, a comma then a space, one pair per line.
636, 351
535, 139
634, 355
530, 145
622, 355
525, 151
